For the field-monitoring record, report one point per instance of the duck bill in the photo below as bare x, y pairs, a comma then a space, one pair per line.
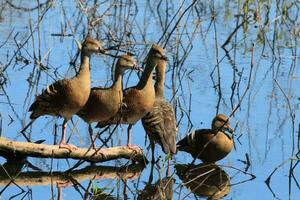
230, 130
137, 68
101, 51
164, 58
154, 75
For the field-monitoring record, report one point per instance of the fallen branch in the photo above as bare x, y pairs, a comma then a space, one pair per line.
53, 151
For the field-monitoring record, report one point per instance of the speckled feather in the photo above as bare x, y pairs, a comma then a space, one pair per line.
160, 125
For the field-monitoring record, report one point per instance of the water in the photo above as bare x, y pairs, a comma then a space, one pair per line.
266, 121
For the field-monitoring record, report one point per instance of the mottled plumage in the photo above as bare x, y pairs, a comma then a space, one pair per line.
160, 122
160, 125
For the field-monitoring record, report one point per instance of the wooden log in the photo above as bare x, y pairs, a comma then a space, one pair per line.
91, 172
53, 151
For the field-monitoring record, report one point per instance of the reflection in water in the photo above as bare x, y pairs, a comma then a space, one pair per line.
63, 180
204, 180
100, 194
162, 189
14, 164
210, 49
88, 173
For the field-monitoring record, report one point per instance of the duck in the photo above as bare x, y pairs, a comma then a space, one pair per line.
209, 145
66, 97
160, 122
104, 103
138, 100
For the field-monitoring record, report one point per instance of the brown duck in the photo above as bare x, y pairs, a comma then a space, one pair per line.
209, 145
66, 97
139, 100
104, 103
160, 123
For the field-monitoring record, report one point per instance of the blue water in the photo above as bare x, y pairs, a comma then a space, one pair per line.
263, 121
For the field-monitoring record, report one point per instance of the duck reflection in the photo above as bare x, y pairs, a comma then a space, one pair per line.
162, 189
204, 180
14, 165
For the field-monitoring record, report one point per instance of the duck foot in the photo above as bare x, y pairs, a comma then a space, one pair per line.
135, 148
94, 147
102, 152
70, 147
63, 184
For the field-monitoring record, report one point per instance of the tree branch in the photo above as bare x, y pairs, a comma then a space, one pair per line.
53, 151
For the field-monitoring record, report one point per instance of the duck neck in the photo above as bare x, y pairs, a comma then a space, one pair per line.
84, 70
118, 78
146, 78
160, 80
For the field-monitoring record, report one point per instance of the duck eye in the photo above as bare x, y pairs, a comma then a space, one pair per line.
158, 55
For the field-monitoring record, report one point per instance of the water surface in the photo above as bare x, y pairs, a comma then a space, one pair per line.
202, 79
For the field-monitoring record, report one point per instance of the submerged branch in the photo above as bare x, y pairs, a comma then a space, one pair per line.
53, 151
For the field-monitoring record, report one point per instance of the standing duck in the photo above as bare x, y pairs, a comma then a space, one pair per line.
104, 103
209, 145
66, 97
160, 122
139, 100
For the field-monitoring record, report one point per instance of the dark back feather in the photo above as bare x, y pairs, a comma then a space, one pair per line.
160, 125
